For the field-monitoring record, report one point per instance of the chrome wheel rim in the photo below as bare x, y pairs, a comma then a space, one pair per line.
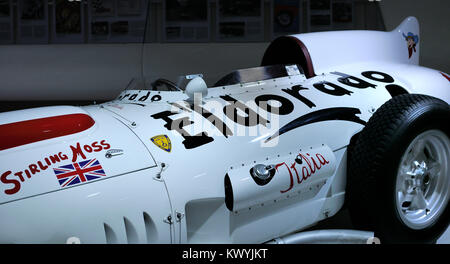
423, 181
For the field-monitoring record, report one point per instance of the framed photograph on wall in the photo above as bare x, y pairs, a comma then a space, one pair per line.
286, 17
186, 21
103, 8
6, 23
319, 15
240, 20
320, 5
32, 21
343, 14
130, 7
117, 21
68, 26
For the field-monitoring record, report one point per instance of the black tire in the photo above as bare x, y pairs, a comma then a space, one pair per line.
373, 162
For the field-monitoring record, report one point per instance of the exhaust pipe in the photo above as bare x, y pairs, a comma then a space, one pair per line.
332, 236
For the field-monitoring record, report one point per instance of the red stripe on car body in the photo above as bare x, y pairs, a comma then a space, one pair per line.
30, 131
446, 76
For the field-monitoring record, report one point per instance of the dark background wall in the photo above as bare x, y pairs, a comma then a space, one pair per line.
54, 73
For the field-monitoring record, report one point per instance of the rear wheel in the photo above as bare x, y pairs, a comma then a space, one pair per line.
399, 171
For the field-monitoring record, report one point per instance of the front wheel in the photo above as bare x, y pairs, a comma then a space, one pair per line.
399, 171
422, 187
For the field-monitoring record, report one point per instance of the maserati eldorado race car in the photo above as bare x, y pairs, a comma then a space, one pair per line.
262, 154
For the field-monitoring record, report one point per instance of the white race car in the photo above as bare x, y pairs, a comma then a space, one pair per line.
267, 152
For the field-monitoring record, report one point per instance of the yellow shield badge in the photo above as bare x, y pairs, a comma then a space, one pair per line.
163, 142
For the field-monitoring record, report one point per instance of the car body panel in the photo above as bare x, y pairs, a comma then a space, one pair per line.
31, 169
177, 153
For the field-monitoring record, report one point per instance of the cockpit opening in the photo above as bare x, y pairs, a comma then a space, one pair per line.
289, 50
240, 76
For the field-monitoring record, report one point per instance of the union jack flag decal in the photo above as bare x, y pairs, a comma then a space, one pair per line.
79, 172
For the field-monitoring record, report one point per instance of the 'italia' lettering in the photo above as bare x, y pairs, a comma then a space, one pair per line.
312, 166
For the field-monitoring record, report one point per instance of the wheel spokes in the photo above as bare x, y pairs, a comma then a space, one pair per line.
418, 202
416, 150
414, 201
434, 168
407, 178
